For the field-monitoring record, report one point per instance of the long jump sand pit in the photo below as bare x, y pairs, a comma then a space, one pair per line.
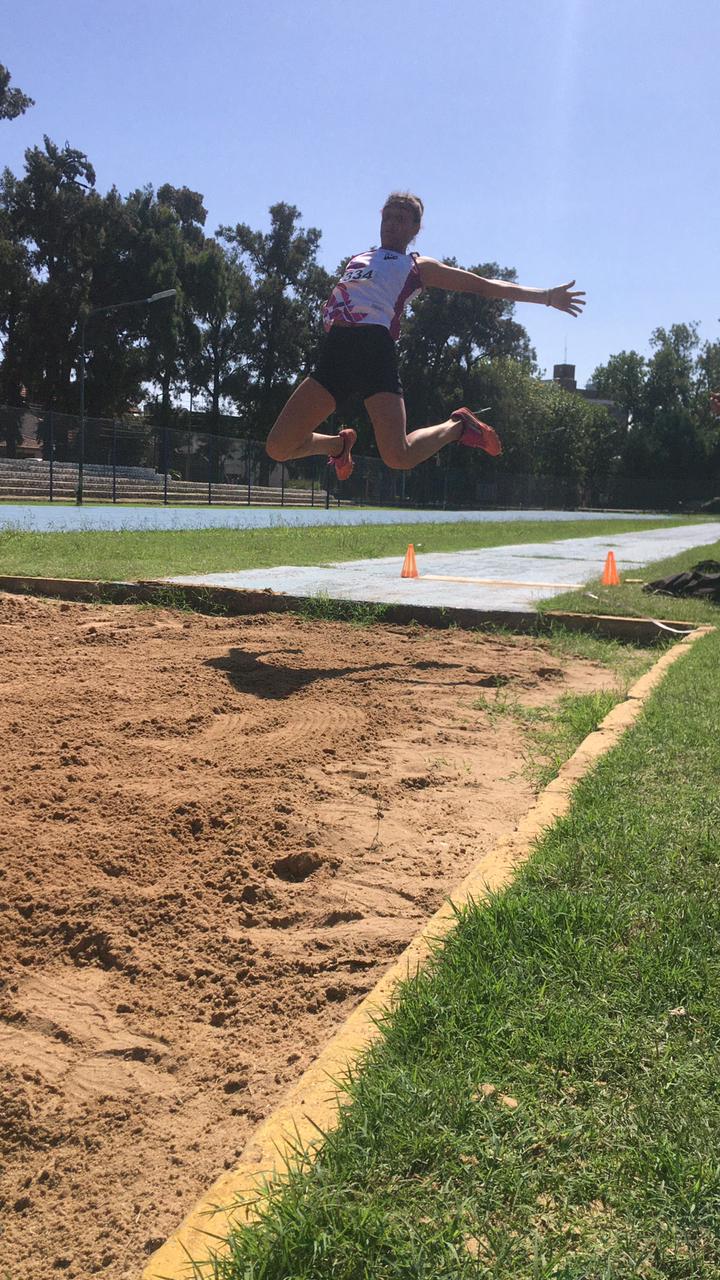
216, 835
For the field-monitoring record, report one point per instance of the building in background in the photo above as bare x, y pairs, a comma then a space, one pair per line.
564, 376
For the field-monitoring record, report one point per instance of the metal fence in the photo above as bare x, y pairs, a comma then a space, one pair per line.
43, 455
130, 459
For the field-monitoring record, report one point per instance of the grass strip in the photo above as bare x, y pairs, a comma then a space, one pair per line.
629, 599
127, 555
544, 1099
553, 732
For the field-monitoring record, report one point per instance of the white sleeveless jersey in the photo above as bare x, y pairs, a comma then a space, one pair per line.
375, 288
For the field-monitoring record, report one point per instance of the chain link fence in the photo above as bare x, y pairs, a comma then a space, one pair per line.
133, 460
44, 454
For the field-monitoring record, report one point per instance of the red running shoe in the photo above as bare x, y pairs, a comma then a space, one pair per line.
343, 463
477, 434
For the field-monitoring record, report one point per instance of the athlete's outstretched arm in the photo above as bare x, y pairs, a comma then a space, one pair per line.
436, 275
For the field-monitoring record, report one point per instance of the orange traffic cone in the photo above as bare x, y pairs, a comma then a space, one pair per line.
409, 569
611, 577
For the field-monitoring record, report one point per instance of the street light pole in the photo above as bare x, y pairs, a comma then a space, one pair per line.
96, 311
79, 495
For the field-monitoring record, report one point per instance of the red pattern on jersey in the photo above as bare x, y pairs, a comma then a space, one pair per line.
374, 289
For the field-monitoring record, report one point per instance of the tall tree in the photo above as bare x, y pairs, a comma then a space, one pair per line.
622, 380
671, 450
170, 235
15, 284
289, 287
56, 219
708, 364
14, 288
116, 343
671, 444
217, 339
708, 379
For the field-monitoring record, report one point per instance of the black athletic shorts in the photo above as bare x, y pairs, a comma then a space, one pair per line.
357, 360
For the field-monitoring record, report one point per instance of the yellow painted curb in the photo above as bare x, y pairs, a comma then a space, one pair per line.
313, 1103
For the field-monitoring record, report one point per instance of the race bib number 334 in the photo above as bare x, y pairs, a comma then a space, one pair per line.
358, 273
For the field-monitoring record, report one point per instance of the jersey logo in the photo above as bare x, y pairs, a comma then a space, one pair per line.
391, 256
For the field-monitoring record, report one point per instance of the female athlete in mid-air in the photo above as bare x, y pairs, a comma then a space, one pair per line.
357, 354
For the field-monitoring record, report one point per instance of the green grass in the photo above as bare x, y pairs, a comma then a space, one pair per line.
586, 993
630, 600
129, 555
323, 608
627, 660
551, 733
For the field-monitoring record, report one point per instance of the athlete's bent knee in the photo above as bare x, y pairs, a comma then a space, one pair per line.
396, 459
276, 451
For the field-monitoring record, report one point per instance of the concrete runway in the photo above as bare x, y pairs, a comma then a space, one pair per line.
508, 578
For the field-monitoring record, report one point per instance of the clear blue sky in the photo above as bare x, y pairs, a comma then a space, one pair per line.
561, 137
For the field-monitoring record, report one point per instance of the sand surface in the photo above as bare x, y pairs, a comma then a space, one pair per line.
215, 834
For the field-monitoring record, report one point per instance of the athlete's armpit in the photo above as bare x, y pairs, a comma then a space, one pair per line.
436, 275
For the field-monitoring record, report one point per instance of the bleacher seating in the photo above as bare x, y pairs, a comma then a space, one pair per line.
25, 479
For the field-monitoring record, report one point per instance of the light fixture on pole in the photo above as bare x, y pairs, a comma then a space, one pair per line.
96, 311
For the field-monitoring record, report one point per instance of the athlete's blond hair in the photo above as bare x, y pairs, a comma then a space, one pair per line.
408, 201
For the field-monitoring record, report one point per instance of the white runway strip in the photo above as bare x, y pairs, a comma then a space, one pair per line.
512, 578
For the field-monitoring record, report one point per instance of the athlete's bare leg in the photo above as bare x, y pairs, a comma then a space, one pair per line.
398, 449
294, 434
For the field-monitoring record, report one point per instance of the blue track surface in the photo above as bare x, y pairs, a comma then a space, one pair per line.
51, 519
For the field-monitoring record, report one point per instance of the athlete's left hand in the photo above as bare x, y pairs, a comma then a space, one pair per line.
563, 298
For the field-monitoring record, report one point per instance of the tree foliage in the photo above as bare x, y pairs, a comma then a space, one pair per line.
13, 102
288, 287
448, 336
672, 441
55, 223
246, 317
